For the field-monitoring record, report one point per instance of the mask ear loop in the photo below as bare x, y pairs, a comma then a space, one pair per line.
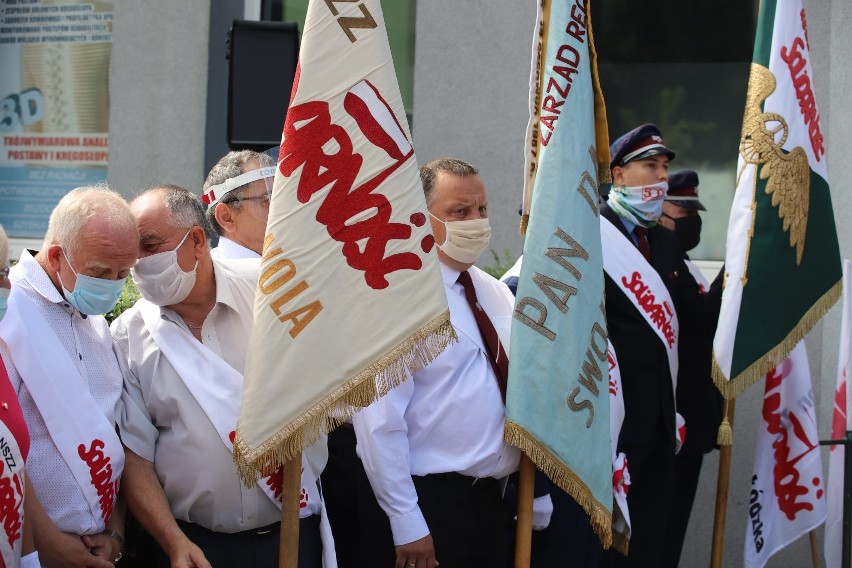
446, 233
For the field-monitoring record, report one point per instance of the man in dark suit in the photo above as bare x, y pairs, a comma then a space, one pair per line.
642, 325
698, 399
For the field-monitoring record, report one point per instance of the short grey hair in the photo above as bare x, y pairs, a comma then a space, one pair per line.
230, 166
185, 208
453, 166
4, 248
77, 207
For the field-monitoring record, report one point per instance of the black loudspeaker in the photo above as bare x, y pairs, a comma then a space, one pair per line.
263, 57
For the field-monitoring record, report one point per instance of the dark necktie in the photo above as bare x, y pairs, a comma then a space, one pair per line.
500, 363
642, 237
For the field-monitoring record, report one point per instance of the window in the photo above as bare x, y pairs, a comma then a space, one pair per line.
683, 66
399, 19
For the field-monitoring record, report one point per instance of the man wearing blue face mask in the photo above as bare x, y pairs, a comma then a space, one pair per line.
433, 447
58, 352
650, 296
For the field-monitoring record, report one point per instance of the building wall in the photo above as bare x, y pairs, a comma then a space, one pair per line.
470, 100
159, 92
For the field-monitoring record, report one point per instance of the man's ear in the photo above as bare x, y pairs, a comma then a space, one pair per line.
618, 175
198, 237
225, 217
54, 252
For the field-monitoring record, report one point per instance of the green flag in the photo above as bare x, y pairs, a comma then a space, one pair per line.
782, 260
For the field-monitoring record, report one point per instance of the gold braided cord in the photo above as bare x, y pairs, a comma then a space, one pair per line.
601, 126
599, 516
755, 372
409, 357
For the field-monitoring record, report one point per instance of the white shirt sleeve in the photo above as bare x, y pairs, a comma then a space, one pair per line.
382, 434
135, 425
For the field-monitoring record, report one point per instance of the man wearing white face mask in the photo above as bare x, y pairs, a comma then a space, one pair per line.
58, 353
183, 349
650, 294
433, 447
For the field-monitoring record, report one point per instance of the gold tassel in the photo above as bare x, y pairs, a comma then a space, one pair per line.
726, 435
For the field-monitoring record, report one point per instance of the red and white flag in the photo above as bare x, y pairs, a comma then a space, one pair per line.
350, 298
840, 424
787, 497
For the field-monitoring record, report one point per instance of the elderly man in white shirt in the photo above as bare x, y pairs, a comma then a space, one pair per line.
433, 447
237, 192
58, 353
184, 348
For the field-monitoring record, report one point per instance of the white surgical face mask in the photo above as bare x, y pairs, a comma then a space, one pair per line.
160, 278
466, 240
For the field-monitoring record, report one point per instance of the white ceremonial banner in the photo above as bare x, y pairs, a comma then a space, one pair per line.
350, 296
840, 424
787, 497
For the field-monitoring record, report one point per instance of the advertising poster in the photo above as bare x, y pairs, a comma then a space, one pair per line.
54, 105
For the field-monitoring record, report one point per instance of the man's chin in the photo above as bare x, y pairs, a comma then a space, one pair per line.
453, 263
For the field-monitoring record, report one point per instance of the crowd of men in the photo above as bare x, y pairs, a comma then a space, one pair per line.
140, 415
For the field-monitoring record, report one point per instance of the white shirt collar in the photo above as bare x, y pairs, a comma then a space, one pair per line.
30, 270
230, 249
449, 275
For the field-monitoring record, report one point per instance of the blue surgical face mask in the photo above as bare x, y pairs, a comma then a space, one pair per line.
4, 300
92, 296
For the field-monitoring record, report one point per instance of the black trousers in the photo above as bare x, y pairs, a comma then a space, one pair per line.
362, 535
568, 541
687, 471
649, 498
467, 519
257, 548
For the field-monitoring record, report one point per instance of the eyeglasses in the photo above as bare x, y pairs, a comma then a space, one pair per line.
262, 198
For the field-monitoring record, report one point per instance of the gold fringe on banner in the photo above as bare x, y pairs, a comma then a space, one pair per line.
525, 221
599, 517
601, 125
409, 357
755, 372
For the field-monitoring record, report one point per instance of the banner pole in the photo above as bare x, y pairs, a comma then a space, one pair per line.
722, 481
288, 554
523, 530
812, 537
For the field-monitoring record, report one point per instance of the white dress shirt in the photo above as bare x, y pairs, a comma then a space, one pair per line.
163, 423
89, 345
446, 418
229, 249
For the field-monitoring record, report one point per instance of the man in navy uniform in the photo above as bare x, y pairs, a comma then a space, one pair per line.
645, 343
698, 399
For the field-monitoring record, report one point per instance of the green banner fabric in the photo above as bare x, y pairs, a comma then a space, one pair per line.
782, 263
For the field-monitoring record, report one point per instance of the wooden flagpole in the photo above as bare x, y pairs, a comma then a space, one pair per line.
722, 481
523, 530
812, 536
288, 555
